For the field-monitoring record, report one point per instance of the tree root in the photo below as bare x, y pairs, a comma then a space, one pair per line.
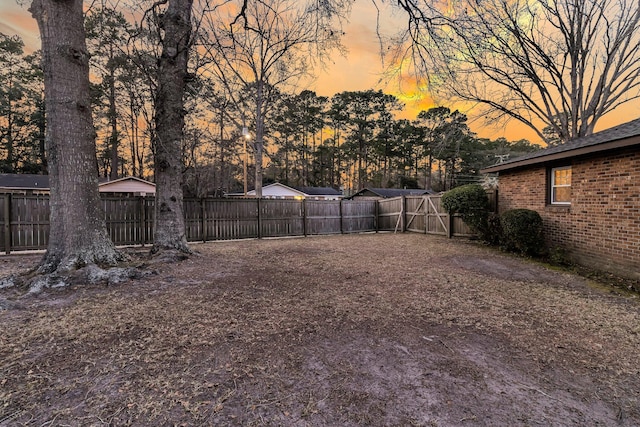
169, 255
33, 282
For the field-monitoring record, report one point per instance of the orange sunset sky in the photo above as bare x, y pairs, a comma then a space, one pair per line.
360, 69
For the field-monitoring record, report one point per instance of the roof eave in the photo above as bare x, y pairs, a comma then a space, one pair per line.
24, 188
125, 178
575, 152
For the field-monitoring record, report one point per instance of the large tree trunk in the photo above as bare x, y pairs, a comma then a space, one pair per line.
42, 150
169, 119
78, 235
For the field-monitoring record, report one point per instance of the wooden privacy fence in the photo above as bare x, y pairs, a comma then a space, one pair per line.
220, 219
24, 219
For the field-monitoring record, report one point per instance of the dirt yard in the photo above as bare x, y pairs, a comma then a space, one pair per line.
377, 329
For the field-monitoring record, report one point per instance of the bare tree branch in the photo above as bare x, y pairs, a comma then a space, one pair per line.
549, 64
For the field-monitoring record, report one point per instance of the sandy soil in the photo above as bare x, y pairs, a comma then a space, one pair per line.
377, 329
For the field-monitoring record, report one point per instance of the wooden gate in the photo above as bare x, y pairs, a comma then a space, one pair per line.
415, 213
437, 218
420, 214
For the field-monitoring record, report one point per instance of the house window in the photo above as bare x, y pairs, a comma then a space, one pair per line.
561, 186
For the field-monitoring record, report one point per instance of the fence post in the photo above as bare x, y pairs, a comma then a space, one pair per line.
203, 213
376, 214
304, 217
425, 208
341, 220
259, 218
141, 222
7, 223
403, 214
450, 228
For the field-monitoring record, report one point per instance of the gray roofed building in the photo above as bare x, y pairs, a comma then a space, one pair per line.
23, 182
26, 183
280, 191
388, 193
319, 191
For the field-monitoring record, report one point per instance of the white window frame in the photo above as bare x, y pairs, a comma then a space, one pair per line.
554, 186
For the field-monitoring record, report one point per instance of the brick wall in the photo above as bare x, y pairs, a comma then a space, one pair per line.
601, 228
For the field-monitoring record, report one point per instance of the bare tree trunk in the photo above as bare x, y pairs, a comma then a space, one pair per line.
360, 163
113, 120
286, 160
428, 185
78, 233
219, 175
169, 119
9, 144
134, 139
259, 144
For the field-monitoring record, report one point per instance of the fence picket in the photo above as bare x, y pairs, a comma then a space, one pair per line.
6, 229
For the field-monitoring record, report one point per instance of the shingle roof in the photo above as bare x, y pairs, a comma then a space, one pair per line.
12, 181
24, 181
303, 191
319, 191
623, 135
388, 193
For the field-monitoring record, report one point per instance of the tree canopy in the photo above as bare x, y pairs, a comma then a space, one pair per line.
350, 140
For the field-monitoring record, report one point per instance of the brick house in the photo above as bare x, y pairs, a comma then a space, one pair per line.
588, 194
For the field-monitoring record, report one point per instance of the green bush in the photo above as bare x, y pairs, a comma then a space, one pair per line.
494, 230
558, 256
522, 232
472, 203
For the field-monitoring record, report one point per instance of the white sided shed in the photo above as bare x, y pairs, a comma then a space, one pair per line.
281, 191
129, 184
278, 191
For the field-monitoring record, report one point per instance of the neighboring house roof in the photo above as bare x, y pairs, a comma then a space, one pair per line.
387, 193
11, 181
280, 190
622, 136
26, 182
128, 184
319, 191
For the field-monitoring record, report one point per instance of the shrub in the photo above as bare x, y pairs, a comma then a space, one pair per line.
472, 203
522, 232
494, 230
558, 256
